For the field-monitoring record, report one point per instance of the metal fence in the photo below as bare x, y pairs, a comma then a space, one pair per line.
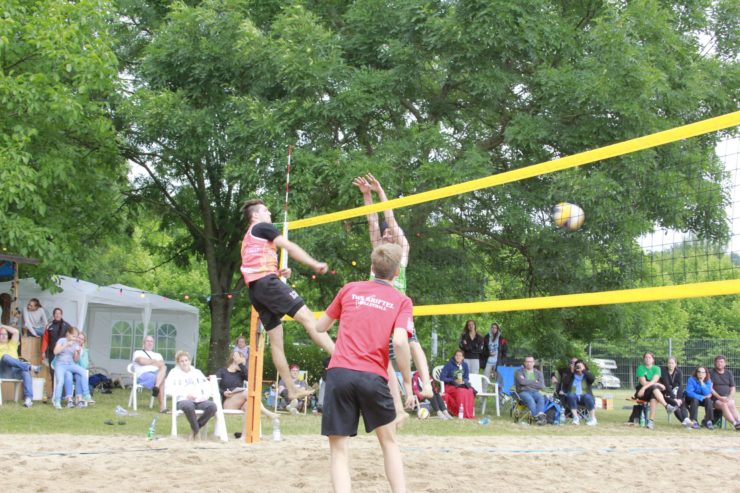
689, 353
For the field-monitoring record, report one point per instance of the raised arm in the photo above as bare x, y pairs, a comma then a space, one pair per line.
397, 233
372, 218
12, 331
299, 254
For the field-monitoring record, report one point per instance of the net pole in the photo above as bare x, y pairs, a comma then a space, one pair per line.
254, 385
283, 253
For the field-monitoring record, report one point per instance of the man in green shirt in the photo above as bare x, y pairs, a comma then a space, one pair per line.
649, 387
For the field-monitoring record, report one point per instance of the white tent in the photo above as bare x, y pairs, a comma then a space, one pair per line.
115, 319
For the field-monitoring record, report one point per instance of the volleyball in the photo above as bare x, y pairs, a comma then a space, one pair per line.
422, 413
568, 216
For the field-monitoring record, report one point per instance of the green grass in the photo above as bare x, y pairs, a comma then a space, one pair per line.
44, 419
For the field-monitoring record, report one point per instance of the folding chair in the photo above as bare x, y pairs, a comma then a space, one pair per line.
135, 387
481, 383
399, 377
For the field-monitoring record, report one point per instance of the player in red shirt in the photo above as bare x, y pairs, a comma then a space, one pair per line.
369, 312
269, 295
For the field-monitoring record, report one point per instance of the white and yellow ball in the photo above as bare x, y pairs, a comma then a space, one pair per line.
568, 216
422, 413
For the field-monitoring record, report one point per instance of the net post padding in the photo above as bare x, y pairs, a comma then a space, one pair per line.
254, 385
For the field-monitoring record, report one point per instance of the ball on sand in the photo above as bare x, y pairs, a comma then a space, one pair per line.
568, 216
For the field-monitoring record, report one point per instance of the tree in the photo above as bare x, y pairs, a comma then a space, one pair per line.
424, 94
60, 172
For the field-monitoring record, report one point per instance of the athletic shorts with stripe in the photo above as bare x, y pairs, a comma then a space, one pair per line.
351, 392
273, 299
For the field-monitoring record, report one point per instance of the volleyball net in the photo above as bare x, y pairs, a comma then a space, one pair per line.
661, 223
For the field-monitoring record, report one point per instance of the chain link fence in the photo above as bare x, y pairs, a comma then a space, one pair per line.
689, 353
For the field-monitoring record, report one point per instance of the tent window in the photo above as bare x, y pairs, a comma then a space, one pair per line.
121, 340
167, 341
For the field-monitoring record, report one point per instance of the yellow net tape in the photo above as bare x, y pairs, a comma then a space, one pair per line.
653, 140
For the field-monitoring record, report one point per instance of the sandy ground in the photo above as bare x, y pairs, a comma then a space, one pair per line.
60, 463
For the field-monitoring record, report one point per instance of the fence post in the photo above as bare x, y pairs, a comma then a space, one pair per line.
589, 350
670, 347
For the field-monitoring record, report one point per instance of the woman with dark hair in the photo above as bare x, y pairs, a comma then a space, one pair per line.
672, 378
699, 392
577, 388
495, 350
56, 329
459, 395
231, 380
471, 344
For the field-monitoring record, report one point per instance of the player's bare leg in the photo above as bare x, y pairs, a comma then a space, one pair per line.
281, 364
306, 318
395, 389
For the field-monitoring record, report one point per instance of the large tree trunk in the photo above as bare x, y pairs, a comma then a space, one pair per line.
220, 343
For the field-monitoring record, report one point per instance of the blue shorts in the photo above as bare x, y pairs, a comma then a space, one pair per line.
148, 379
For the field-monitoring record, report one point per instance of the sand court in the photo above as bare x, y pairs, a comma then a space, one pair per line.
609, 462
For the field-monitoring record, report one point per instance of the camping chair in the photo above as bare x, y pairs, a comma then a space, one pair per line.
505, 381
583, 413
480, 384
303, 376
399, 377
519, 410
135, 387
210, 388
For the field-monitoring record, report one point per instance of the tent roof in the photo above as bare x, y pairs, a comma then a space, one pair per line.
114, 295
18, 259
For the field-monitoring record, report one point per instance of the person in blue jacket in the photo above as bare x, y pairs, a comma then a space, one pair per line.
699, 392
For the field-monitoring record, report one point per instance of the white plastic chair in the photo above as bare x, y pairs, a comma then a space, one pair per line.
210, 388
481, 384
435, 375
135, 387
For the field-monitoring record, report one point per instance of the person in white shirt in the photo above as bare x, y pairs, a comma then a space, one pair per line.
190, 385
151, 370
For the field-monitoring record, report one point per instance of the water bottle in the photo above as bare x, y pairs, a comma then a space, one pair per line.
152, 427
461, 412
276, 437
642, 417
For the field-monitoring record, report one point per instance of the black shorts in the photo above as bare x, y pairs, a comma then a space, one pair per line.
273, 299
349, 392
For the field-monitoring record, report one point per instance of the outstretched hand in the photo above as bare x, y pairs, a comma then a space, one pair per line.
321, 268
373, 183
362, 184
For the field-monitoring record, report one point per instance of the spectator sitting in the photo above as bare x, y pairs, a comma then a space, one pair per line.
11, 366
34, 318
650, 389
495, 349
295, 405
458, 392
471, 344
557, 380
84, 363
67, 353
699, 392
56, 329
577, 386
723, 391
242, 348
231, 381
189, 383
529, 381
672, 378
151, 370
436, 401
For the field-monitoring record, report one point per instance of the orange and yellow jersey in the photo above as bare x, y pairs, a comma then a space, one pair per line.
259, 253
